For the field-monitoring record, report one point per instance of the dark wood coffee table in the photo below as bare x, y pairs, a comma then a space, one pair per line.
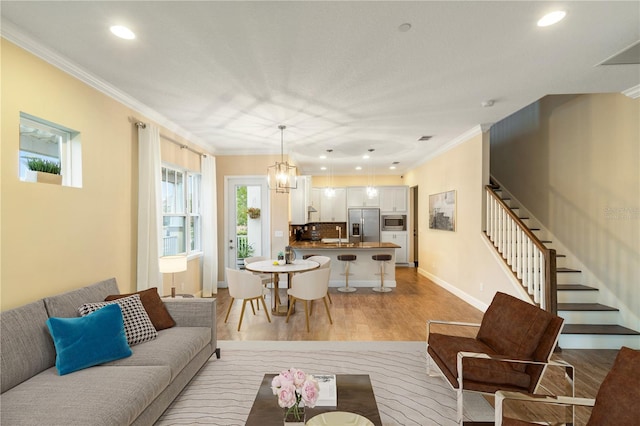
355, 395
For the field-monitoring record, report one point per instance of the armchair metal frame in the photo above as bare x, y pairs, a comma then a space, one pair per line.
501, 396
616, 402
569, 369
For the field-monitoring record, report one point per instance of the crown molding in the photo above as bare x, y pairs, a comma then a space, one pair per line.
12, 33
474, 131
632, 92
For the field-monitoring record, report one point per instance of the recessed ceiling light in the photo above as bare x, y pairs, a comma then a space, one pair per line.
323, 168
392, 167
323, 156
365, 156
552, 18
123, 32
424, 138
358, 168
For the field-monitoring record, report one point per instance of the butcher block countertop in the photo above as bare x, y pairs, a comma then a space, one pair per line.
317, 245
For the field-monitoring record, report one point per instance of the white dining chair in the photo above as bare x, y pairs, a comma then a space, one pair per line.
246, 286
325, 262
309, 286
267, 279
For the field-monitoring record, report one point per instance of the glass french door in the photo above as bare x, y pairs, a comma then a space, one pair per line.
246, 219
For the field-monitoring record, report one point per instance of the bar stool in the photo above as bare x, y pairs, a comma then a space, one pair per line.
306, 256
347, 259
382, 258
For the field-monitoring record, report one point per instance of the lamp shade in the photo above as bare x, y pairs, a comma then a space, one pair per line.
170, 264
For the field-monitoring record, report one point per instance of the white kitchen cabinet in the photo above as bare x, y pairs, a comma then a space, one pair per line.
299, 202
357, 197
334, 209
393, 199
398, 238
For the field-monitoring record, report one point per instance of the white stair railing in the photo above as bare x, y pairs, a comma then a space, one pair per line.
533, 264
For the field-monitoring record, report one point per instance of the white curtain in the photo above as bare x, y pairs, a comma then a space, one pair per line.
149, 207
209, 227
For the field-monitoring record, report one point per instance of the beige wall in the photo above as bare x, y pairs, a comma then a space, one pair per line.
574, 162
58, 238
460, 261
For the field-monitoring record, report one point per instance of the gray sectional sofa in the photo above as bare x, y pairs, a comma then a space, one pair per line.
133, 390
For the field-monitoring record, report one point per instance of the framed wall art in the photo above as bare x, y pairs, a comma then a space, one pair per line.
442, 211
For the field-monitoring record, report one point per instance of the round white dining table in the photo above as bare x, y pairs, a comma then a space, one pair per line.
267, 267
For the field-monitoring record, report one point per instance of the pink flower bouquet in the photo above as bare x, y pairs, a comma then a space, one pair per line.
294, 387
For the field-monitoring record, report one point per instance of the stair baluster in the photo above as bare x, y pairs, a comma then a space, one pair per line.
532, 263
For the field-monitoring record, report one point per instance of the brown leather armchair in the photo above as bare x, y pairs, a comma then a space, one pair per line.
617, 402
513, 345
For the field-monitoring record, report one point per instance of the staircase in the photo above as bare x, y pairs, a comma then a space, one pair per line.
588, 324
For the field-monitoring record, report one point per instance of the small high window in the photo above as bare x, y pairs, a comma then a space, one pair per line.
52, 145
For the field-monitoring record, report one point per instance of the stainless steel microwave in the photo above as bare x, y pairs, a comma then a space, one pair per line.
394, 222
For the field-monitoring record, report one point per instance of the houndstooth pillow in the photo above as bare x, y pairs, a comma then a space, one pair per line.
137, 325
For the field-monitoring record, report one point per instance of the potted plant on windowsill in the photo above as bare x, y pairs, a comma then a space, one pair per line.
244, 251
44, 171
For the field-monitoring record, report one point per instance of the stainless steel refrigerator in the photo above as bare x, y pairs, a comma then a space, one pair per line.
364, 225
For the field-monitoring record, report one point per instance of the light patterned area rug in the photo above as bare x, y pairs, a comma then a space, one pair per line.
223, 391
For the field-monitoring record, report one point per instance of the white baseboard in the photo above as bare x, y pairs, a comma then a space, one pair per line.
454, 290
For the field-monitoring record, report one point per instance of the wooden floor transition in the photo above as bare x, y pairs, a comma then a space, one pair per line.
399, 315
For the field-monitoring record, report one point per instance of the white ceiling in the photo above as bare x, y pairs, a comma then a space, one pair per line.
339, 75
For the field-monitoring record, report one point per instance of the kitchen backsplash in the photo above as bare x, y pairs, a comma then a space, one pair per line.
322, 230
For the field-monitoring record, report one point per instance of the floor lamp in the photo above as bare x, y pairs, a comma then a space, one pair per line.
171, 265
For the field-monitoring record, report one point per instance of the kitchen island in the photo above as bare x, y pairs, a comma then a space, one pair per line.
364, 271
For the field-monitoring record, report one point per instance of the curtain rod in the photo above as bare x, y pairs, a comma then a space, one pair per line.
173, 141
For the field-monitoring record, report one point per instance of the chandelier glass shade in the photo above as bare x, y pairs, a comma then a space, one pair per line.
329, 190
282, 176
372, 191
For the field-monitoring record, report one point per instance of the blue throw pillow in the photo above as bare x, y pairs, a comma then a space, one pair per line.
91, 340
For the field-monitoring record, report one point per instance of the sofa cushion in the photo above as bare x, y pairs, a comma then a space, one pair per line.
154, 306
497, 330
27, 348
137, 325
65, 305
446, 348
91, 340
619, 394
94, 396
174, 347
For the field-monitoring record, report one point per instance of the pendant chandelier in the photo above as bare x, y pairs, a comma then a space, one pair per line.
371, 190
329, 191
281, 177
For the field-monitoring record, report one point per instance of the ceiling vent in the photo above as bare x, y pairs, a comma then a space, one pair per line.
630, 55
425, 138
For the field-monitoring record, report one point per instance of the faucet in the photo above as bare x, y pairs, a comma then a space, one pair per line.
339, 228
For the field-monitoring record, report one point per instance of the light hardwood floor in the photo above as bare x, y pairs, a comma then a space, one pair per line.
400, 315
